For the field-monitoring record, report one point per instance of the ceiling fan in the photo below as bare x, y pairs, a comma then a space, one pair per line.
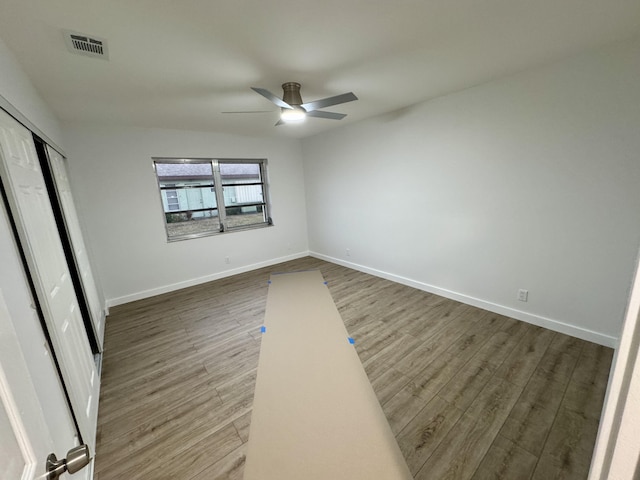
294, 111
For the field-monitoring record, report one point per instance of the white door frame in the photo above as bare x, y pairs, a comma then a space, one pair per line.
617, 450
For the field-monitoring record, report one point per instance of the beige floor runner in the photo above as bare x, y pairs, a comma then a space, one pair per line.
315, 415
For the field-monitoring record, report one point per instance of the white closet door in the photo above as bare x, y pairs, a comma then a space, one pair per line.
38, 233
34, 415
89, 287
26, 435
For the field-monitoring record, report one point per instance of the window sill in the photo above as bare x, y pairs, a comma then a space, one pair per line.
212, 234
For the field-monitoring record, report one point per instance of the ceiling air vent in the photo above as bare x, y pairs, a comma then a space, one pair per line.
86, 45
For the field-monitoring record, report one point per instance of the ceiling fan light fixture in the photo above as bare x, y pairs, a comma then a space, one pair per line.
293, 115
292, 110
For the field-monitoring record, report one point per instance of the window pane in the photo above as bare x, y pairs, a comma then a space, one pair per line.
181, 171
242, 194
189, 198
185, 223
245, 216
235, 173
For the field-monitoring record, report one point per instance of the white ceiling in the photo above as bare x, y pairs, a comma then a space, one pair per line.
180, 63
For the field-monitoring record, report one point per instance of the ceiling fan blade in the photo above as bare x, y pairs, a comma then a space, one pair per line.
252, 111
271, 97
327, 102
329, 115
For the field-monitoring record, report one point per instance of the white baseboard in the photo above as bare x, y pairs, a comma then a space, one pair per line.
538, 320
551, 324
112, 302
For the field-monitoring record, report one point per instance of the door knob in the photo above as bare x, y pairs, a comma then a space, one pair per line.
77, 458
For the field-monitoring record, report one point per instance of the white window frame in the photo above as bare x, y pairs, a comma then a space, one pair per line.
218, 188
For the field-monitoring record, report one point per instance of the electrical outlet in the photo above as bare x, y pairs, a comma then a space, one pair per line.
523, 295
348, 252
227, 260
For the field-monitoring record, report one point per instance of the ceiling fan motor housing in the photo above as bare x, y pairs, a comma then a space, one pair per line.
291, 93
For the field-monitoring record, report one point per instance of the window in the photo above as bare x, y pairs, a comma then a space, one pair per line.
208, 196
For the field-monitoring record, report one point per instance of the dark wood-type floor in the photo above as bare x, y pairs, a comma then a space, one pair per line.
468, 393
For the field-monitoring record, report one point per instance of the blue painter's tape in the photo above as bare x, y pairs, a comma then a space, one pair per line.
263, 329
326, 283
351, 340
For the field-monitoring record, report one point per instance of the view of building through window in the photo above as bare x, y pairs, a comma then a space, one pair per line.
204, 197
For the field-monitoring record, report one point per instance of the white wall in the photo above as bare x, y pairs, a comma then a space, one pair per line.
115, 186
19, 92
526, 182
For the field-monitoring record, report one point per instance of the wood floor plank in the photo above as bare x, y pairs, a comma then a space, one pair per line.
458, 455
465, 386
402, 408
223, 370
426, 352
515, 328
524, 359
230, 467
544, 390
130, 368
495, 401
463, 449
148, 379
505, 461
486, 323
528, 426
568, 450
141, 463
371, 338
386, 381
129, 340
467, 345
242, 425
566, 344
430, 380
585, 399
593, 365
205, 334
557, 365
179, 375
532, 417
123, 413
397, 350
241, 385
497, 348
155, 429
192, 461
421, 437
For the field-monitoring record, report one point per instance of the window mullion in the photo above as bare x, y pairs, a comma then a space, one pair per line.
265, 193
217, 186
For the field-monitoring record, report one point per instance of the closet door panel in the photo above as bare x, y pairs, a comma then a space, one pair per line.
91, 292
38, 234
